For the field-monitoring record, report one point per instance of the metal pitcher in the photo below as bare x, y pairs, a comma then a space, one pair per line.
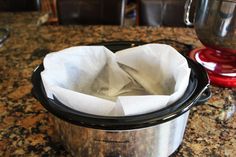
215, 23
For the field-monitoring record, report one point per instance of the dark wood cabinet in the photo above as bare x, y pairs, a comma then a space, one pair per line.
19, 5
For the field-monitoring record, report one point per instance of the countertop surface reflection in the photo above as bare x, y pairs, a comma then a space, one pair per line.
25, 129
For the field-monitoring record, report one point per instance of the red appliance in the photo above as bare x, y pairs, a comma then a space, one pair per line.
215, 25
221, 67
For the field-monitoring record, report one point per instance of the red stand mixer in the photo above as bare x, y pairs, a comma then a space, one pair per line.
215, 25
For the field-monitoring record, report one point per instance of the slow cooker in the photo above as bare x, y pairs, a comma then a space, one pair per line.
155, 134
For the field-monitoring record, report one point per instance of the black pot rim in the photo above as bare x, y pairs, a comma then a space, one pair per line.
198, 83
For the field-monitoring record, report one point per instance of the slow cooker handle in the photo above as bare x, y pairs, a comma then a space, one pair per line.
206, 95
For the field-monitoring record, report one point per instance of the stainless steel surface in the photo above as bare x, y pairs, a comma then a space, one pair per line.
187, 8
156, 141
215, 23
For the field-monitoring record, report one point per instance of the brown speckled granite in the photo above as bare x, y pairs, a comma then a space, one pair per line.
25, 129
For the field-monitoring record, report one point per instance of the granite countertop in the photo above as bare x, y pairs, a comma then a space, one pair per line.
25, 129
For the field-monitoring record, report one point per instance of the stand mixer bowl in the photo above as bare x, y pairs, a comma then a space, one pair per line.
215, 25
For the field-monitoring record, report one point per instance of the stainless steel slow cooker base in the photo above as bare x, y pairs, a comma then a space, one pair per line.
157, 141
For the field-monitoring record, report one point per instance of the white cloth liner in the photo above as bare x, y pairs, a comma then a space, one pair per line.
94, 80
